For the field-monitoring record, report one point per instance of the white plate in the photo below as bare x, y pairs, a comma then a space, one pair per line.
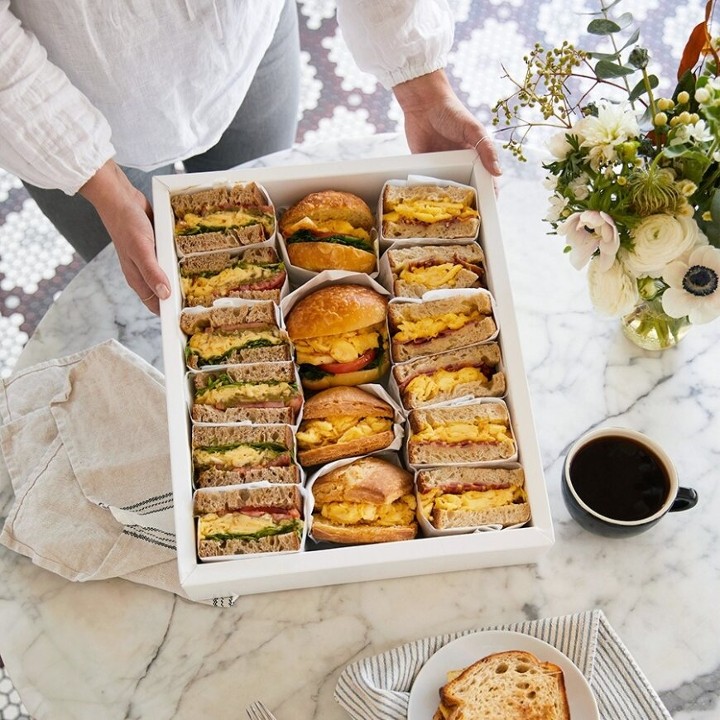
466, 650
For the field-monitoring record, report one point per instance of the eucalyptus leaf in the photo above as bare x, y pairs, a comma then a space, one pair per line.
640, 89
606, 70
604, 56
624, 20
602, 26
632, 39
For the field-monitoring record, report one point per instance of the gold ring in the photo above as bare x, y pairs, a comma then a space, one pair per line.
481, 140
149, 297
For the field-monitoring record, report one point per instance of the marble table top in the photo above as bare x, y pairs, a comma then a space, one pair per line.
116, 650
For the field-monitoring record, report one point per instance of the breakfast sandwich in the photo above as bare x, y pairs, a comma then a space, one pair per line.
330, 230
432, 326
240, 454
260, 392
470, 433
254, 274
429, 211
241, 521
416, 270
232, 335
472, 371
343, 422
222, 218
369, 500
340, 336
467, 497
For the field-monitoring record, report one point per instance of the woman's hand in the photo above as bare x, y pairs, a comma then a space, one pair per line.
436, 119
127, 216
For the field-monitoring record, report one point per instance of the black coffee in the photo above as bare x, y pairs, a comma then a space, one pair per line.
619, 478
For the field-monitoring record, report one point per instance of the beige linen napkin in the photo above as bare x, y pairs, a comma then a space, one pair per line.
85, 442
378, 687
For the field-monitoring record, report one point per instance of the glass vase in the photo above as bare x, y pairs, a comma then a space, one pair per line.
651, 329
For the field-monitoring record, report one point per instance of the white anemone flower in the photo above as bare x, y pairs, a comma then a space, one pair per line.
587, 232
694, 289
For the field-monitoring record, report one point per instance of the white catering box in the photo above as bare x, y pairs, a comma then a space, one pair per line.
267, 573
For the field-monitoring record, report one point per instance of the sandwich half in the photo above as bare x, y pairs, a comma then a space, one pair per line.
240, 454
432, 326
222, 218
471, 371
467, 497
471, 433
429, 211
416, 270
368, 501
343, 422
233, 335
255, 274
258, 392
241, 521
510, 685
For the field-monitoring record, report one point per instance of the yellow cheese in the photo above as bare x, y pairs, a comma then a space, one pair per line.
227, 396
231, 524
466, 431
433, 276
221, 220
431, 327
241, 456
337, 348
429, 211
471, 500
427, 387
336, 227
210, 345
400, 512
204, 288
338, 429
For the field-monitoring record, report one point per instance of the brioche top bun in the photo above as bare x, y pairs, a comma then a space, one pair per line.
336, 309
352, 401
319, 256
329, 205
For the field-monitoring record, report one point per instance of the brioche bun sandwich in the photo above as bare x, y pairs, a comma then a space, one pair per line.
254, 274
330, 230
470, 433
233, 335
343, 422
370, 500
340, 336
467, 497
415, 270
429, 211
241, 521
222, 218
432, 326
470, 371
239, 454
510, 685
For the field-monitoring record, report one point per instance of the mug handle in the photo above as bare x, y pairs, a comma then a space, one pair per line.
685, 499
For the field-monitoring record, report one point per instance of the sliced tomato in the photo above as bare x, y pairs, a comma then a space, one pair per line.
338, 368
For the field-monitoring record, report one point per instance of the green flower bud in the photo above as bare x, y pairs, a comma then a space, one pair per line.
638, 58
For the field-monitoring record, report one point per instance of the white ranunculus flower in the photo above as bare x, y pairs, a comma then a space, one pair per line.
694, 290
579, 187
558, 144
613, 291
587, 232
658, 240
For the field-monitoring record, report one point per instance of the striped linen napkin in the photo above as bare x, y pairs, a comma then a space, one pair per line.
378, 687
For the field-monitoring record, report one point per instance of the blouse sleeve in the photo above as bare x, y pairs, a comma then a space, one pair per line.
51, 135
397, 40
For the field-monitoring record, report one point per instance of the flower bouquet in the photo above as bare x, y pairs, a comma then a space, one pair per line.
634, 177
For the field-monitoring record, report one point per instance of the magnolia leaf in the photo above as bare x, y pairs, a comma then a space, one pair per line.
687, 83
715, 207
606, 70
693, 48
641, 89
712, 232
602, 26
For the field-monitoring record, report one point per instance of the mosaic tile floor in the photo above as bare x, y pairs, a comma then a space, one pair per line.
338, 100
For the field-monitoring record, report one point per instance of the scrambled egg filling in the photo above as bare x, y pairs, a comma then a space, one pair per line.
471, 500
481, 430
426, 387
236, 524
429, 211
212, 345
338, 429
335, 227
434, 276
221, 220
203, 288
337, 348
431, 327
237, 457
400, 512
236, 394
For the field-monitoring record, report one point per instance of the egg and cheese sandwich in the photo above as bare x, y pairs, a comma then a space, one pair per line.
258, 392
470, 433
240, 454
367, 501
222, 218
429, 211
432, 326
467, 497
255, 519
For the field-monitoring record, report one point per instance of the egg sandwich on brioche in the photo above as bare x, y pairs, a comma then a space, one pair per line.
467, 497
232, 335
432, 326
470, 371
240, 454
254, 274
330, 230
429, 211
340, 336
416, 270
370, 500
222, 218
256, 519
343, 422
259, 392
509, 685
470, 433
